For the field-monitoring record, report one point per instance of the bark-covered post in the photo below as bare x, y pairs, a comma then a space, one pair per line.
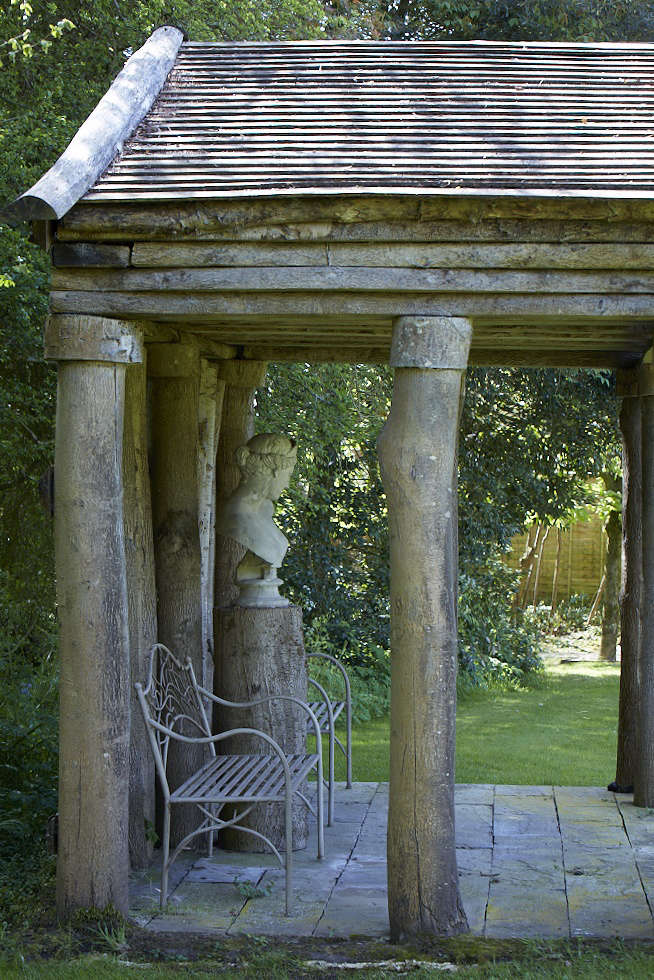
210, 411
175, 373
93, 859
241, 379
418, 454
142, 605
632, 579
644, 772
611, 606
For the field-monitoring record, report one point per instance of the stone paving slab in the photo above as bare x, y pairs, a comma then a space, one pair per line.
534, 861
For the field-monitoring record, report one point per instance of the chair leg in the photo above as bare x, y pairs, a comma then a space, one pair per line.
320, 818
288, 820
348, 754
330, 799
166, 851
210, 849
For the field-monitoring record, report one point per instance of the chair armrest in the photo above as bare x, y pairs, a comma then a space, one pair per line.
212, 739
341, 668
253, 704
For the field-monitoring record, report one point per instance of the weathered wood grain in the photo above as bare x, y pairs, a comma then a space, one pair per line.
174, 306
550, 255
203, 280
209, 407
418, 452
93, 857
90, 254
99, 139
92, 338
178, 563
173, 220
142, 607
152, 255
158, 225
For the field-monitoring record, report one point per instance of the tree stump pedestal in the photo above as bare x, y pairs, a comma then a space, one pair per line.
262, 653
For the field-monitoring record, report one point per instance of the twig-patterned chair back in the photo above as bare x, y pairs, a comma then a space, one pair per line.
173, 704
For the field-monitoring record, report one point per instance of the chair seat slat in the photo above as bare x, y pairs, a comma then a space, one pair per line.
259, 777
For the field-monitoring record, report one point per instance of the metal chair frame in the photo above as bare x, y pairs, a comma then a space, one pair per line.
327, 712
174, 710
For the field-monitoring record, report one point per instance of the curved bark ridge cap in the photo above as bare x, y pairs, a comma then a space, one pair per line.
101, 137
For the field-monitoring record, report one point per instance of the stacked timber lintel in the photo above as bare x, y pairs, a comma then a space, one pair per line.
544, 282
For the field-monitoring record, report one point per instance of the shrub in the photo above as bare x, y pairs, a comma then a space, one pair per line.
28, 725
570, 615
368, 667
497, 646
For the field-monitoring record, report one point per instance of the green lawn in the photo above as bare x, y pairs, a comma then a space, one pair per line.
561, 732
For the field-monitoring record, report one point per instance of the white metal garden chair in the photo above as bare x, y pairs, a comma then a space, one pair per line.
173, 709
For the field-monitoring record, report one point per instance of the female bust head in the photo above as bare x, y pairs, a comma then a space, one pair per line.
266, 463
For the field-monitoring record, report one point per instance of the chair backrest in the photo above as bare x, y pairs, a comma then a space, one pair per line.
171, 704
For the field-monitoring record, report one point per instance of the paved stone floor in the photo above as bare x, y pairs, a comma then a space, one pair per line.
533, 861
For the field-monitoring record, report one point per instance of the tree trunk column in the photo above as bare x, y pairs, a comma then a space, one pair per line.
93, 859
632, 575
142, 605
644, 774
418, 455
175, 373
241, 380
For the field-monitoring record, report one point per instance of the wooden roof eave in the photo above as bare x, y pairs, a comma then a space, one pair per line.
102, 135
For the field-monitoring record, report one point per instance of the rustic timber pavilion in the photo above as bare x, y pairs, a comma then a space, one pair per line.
431, 205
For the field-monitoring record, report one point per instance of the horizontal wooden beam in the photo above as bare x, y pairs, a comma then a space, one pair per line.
540, 255
478, 357
202, 306
179, 224
156, 254
361, 280
80, 255
174, 218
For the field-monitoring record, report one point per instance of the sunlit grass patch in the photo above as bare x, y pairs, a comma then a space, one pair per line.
562, 731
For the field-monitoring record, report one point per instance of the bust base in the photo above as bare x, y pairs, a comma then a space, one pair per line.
260, 593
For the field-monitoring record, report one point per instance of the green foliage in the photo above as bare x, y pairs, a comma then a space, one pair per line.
496, 646
570, 615
28, 725
368, 667
519, 20
334, 511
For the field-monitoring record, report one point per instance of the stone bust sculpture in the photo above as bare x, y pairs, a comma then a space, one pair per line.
266, 463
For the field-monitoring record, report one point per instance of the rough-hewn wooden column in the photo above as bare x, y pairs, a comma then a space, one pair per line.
142, 604
241, 379
644, 772
418, 453
210, 414
93, 861
175, 373
632, 579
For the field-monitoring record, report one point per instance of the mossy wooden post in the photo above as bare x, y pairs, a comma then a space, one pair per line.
93, 859
241, 380
175, 373
418, 454
142, 606
644, 770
